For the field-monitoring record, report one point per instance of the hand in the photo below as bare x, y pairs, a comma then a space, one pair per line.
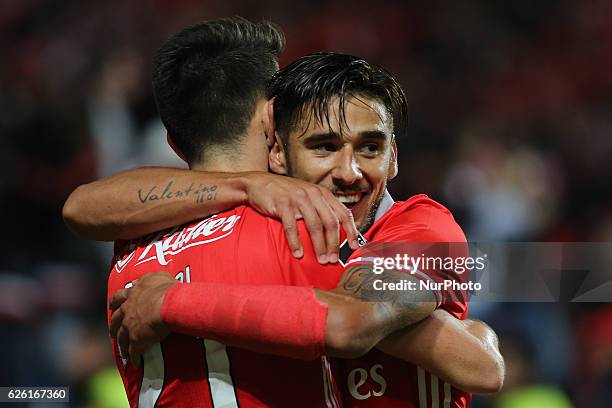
136, 322
291, 199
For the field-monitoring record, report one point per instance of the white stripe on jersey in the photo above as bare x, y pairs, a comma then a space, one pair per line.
435, 396
152, 377
365, 259
422, 388
219, 376
330, 398
447, 395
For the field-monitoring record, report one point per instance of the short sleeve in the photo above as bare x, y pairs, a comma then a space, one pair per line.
431, 244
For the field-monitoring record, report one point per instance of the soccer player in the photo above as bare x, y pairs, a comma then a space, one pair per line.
369, 108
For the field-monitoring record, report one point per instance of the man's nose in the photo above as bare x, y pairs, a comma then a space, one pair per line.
346, 170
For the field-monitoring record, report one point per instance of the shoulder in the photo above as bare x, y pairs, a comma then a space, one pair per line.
422, 218
420, 207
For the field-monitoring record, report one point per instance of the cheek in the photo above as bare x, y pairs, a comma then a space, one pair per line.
312, 169
378, 173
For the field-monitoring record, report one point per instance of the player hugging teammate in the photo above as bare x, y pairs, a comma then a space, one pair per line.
263, 312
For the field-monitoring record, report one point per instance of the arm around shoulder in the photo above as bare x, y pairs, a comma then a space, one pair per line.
463, 353
137, 202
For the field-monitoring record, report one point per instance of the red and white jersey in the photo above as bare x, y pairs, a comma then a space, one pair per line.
239, 246
242, 247
377, 379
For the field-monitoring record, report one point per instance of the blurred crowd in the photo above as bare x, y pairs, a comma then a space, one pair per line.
510, 127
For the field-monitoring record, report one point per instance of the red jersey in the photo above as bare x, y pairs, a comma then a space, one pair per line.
377, 379
239, 246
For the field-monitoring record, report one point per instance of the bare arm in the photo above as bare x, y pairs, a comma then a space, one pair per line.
387, 311
141, 201
463, 353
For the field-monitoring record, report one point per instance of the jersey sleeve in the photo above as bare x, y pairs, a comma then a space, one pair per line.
432, 246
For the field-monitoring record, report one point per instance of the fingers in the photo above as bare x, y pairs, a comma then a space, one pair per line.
116, 321
118, 298
323, 214
315, 227
287, 216
290, 199
345, 218
329, 224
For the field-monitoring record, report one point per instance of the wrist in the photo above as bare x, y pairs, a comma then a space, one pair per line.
168, 302
245, 183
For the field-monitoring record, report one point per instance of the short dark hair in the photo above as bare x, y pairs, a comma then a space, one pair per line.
304, 89
208, 77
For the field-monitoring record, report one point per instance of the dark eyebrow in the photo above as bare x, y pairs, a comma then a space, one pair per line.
373, 134
321, 137
332, 136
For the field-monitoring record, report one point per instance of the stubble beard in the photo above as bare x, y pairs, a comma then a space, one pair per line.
370, 216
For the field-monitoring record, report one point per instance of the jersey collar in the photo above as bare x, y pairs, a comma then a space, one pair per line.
385, 205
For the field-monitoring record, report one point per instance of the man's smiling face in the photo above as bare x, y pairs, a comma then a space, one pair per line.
352, 156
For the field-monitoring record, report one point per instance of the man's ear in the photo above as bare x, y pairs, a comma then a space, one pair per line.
393, 160
270, 125
176, 149
277, 159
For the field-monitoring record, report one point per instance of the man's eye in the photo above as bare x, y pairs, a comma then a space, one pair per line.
325, 147
370, 148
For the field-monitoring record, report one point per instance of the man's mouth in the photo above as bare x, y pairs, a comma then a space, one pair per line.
349, 200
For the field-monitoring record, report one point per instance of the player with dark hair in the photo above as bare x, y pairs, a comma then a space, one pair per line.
309, 92
208, 81
316, 105
353, 142
210, 84
321, 104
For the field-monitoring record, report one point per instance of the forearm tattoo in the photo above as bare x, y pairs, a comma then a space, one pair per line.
200, 193
396, 306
